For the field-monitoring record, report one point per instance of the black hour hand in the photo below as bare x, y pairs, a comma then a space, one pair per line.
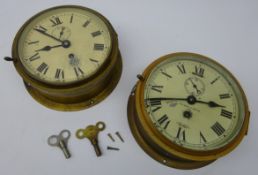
48, 48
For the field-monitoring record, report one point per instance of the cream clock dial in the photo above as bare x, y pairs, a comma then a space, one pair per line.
187, 110
193, 104
68, 57
64, 45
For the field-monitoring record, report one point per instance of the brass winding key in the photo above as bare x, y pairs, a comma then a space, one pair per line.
91, 132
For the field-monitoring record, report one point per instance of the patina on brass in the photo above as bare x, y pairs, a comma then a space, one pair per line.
79, 95
91, 132
162, 149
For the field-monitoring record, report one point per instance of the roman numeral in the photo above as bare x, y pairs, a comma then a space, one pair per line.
97, 33
71, 19
218, 129
223, 96
166, 74
99, 47
164, 120
216, 79
33, 42
155, 109
78, 71
180, 134
226, 114
34, 57
41, 29
166, 125
59, 74
56, 21
198, 71
155, 102
86, 24
181, 68
157, 88
43, 68
202, 138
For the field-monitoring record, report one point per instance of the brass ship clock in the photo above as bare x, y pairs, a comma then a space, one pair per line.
68, 57
187, 110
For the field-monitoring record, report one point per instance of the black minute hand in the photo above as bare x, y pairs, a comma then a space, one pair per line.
164, 98
191, 100
48, 35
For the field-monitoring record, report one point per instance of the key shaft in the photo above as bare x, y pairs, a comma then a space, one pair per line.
60, 141
95, 145
91, 133
63, 146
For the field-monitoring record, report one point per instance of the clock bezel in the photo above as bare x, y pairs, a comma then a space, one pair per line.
35, 81
172, 148
78, 95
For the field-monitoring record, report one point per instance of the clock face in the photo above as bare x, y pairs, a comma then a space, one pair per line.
64, 45
194, 102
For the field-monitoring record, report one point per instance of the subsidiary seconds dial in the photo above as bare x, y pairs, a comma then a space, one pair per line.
64, 46
68, 57
193, 103
187, 110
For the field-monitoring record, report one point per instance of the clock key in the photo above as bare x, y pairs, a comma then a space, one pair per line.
60, 141
91, 132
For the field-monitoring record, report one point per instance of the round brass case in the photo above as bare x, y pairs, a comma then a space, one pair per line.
161, 148
80, 94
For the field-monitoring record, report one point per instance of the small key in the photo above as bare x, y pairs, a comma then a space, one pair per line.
91, 132
61, 142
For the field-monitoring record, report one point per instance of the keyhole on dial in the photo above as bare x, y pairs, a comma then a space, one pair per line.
73, 60
187, 114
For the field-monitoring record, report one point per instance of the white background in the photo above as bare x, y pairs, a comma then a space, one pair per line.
226, 30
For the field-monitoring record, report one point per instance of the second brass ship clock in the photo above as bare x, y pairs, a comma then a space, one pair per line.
187, 110
68, 57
